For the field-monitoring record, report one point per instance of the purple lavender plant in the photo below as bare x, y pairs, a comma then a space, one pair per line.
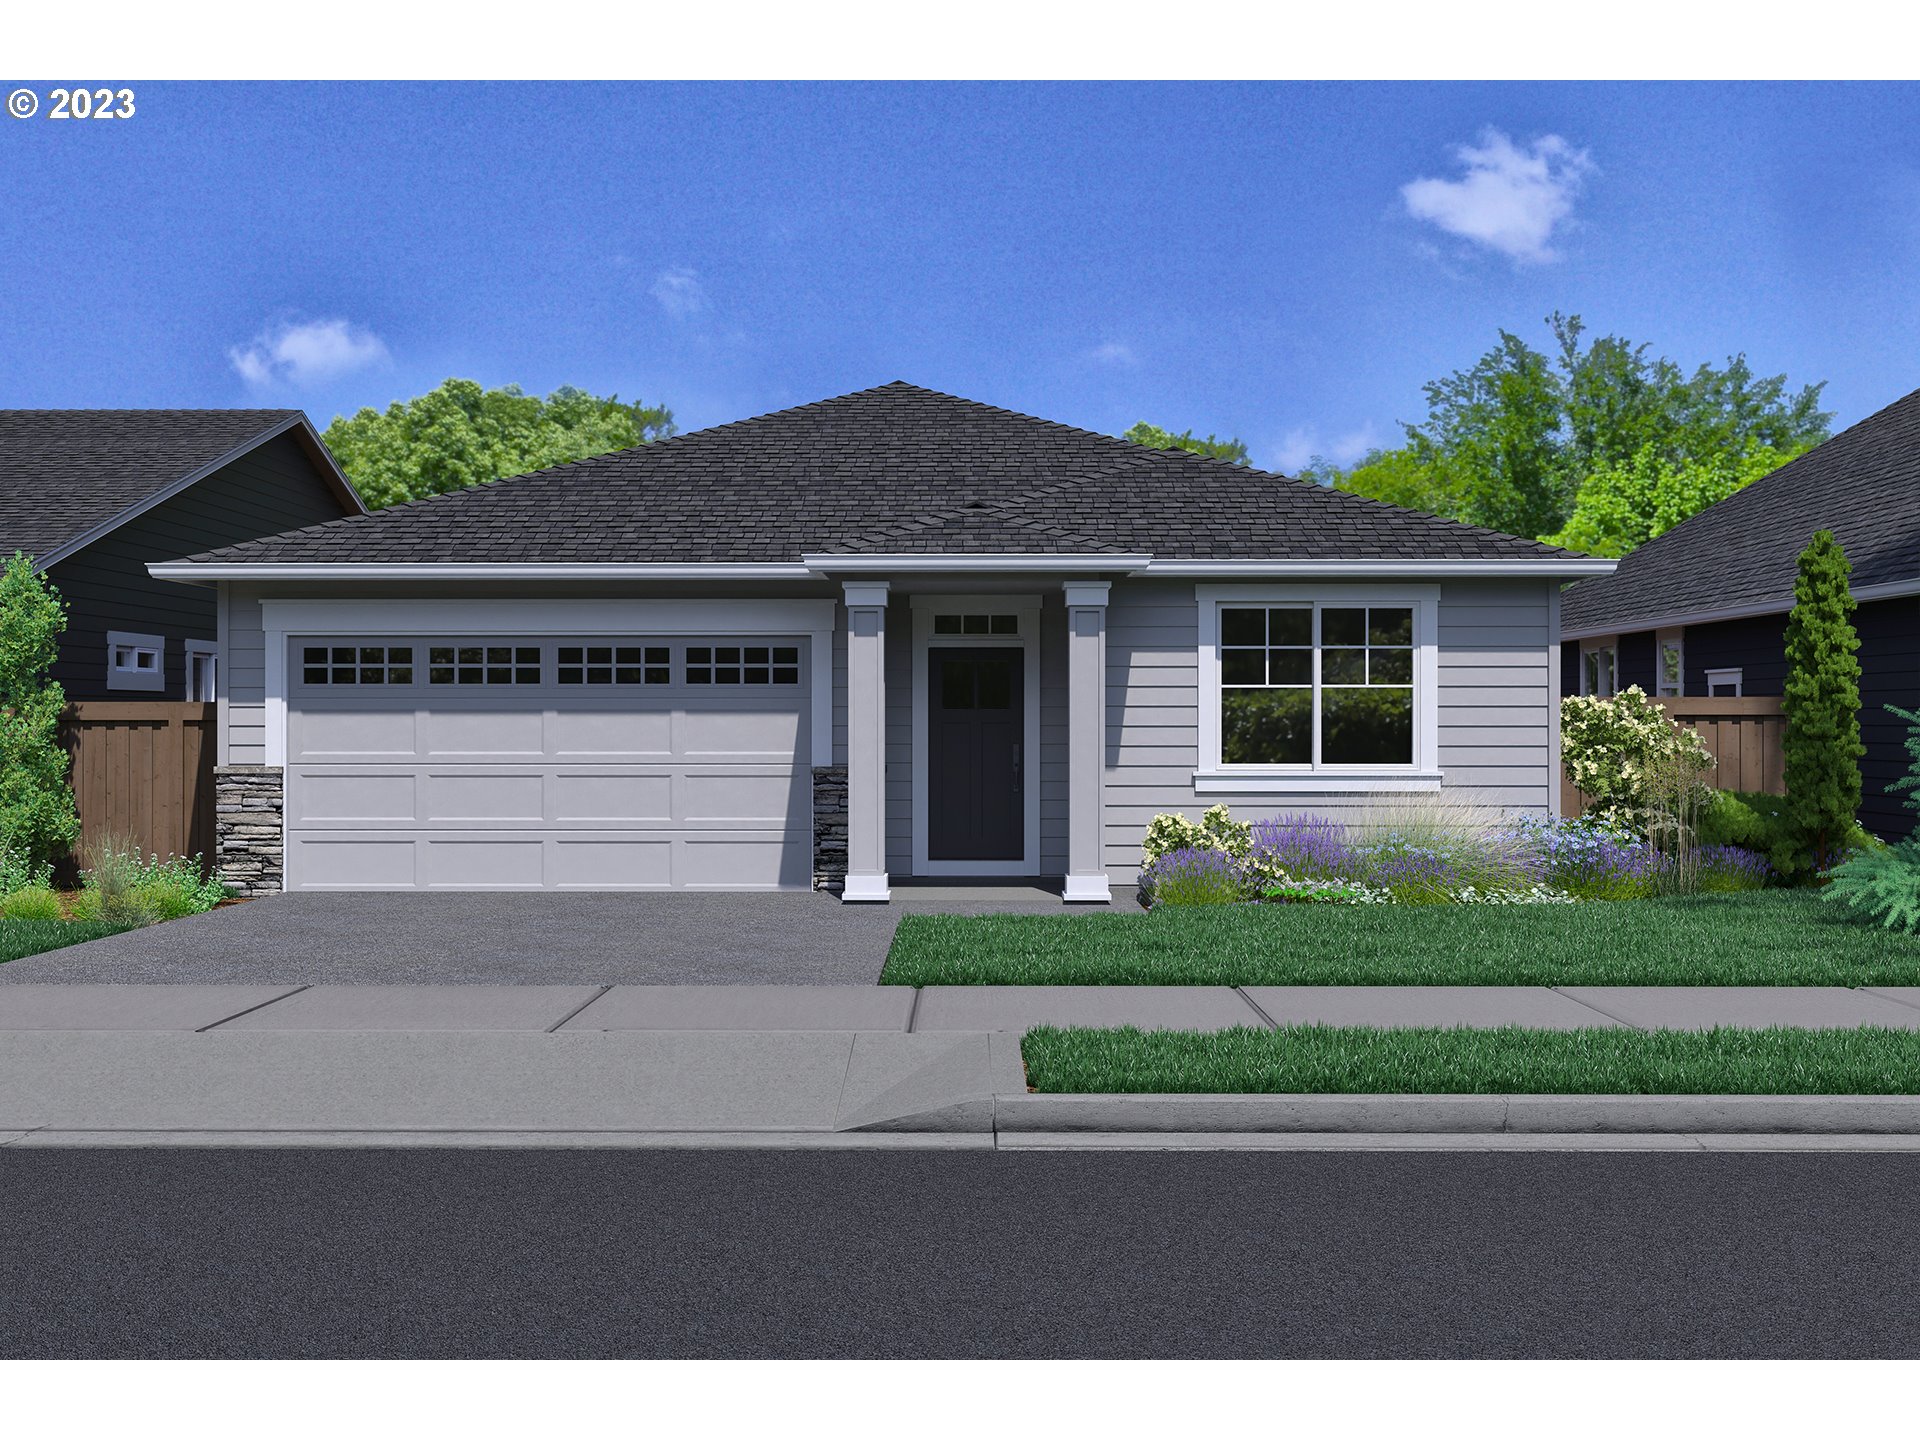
1307, 847
1190, 876
1728, 867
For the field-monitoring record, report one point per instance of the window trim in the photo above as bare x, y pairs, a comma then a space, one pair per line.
1422, 773
1734, 675
1603, 644
211, 650
148, 682
1675, 636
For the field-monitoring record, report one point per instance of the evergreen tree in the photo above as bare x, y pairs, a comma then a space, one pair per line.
1822, 708
37, 818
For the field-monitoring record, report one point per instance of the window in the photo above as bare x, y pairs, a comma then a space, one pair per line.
1670, 662
356, 664
203, 664
743, 665
1599, 665
976, 624
1728, 684
136, 662
483, 665
614, 665
1310, 684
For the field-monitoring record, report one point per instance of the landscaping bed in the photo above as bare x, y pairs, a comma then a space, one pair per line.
1358, 1060
1769, 937
20, 938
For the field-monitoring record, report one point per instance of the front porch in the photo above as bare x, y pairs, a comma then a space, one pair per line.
975, 736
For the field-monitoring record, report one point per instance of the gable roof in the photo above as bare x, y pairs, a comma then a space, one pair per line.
891, 470
1740, 556
69, 476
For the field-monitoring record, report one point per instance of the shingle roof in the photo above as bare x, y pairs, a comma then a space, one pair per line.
892, 469
1863, 485
63, 472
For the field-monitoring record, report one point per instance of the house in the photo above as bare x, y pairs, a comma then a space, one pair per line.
1702, 609
93, 495
894, 634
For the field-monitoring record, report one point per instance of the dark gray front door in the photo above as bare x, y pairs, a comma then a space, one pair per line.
976, 719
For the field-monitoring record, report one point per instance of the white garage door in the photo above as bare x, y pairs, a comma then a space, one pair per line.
625, 763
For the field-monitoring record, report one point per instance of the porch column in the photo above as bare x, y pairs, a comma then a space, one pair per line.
1086, 740
866, 740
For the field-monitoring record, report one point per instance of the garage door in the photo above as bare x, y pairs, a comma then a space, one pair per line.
504, 763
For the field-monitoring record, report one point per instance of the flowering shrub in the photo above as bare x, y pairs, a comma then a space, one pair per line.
1216, 829
1588, 858
1304, 847
1627, 757
1193, 875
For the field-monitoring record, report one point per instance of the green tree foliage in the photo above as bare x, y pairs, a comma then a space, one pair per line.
1822, 709
1883, 883
460, 435
37, 818
1510, 441
1625, 504
1154, 438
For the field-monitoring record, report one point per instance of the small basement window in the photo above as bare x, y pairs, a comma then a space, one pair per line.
614, 665
976, 624
136, 662
356, 664
483, 665
743, 665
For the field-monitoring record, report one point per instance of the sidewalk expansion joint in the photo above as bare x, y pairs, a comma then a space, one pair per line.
913, 1008
1597, 1009
1880, 994
1254, 1006
215, 1025
598, 994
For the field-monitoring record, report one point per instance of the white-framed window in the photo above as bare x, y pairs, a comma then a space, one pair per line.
1670, 662
203, 670
1727, 684
1599, 667
136, 662
1302, 683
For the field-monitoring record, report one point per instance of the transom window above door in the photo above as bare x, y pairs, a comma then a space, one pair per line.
483, 665
976, 624
356, 664
743, 665
615, 665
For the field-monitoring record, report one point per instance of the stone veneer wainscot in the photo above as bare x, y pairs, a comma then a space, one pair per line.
248, 837
829, 827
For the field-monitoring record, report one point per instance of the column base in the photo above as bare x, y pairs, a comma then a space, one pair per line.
1088, 890
867, 888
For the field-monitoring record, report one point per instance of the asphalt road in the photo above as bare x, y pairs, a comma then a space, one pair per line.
649, 1253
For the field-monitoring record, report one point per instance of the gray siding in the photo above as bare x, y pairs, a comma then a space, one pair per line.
1496, 705
274, 487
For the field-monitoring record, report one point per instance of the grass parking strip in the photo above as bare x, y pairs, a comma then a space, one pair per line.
1777, 937
21, 938
1364, 1060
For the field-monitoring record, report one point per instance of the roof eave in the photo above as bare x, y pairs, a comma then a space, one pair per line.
206, 572
1776, 605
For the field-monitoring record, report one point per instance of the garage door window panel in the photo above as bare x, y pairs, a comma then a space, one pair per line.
483, 665
743, 665
614, 664
333, 665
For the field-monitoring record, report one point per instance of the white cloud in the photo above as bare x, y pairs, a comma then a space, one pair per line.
1112, 353
680, 292
307, 353
1303, 444
1508, 199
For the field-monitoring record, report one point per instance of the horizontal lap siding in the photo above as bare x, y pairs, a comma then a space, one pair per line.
244, 681
1497, 696
899, 682
1889, 675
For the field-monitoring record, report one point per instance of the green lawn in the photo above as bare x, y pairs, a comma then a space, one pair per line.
1768, 937
35, 937
1358, 1060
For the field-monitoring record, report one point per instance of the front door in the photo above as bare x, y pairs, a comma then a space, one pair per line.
976, 717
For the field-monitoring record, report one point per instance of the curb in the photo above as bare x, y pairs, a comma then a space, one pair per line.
1459, 1114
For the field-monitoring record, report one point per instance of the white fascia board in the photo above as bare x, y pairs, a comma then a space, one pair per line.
937, 564
1864, 594
206, 572
1329, 569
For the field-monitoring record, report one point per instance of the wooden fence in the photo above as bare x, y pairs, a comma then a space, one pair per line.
143, 769
1743, 734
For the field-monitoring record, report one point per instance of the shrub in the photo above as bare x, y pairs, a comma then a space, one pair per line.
1216, 829
1194, 876
37, 818
1883, 884
121, 886
1588, 858
1720, 868
1627, 757
1443, 839
1756, 821
1822, 708
35, 902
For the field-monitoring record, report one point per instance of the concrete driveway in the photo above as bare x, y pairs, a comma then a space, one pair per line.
543, 938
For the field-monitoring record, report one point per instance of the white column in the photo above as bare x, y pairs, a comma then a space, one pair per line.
866, 740
1086, 740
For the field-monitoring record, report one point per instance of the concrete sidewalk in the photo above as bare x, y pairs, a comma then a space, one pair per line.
823, 1065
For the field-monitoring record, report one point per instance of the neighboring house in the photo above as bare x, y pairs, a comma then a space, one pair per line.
891, 634
93, 495
1702, 609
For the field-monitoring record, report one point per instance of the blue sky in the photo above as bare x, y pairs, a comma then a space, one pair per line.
1284, 262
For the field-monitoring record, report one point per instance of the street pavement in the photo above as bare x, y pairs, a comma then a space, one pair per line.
434, 1253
